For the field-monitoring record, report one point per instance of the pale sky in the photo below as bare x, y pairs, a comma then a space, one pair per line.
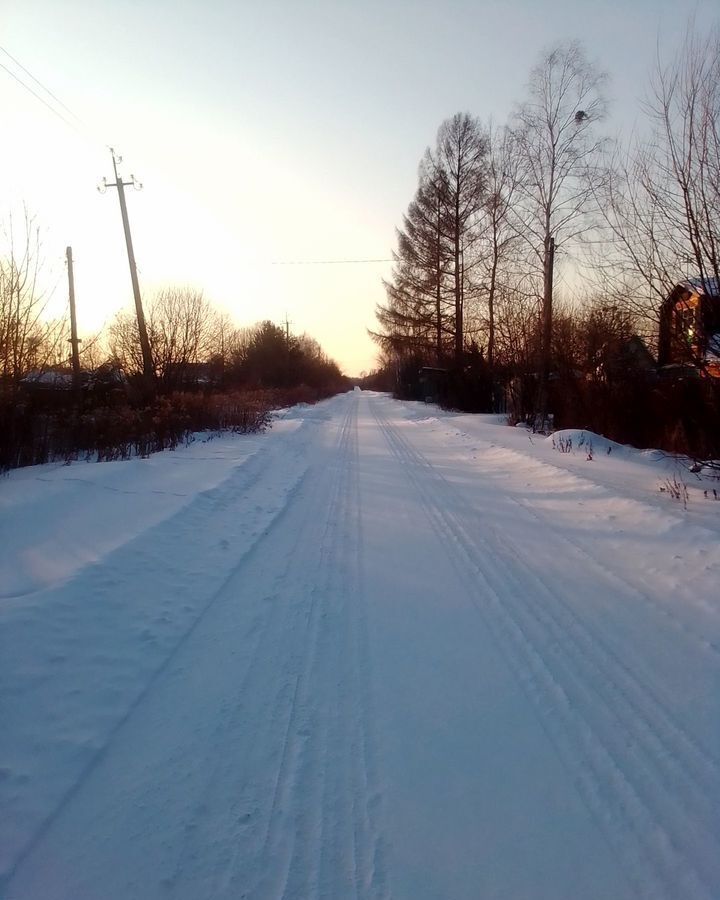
272, 131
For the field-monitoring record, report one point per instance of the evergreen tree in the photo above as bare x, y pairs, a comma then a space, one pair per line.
460, 163
427, 291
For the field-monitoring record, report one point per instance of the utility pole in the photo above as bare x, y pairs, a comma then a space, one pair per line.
288, 366
148, 367
287, 324
73, 321
547, 323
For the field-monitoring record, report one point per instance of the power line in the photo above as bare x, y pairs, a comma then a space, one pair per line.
41, 85
78, 125
326, 262
42, 100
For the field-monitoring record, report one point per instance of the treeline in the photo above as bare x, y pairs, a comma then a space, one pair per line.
207, 373
193, 344
538, 254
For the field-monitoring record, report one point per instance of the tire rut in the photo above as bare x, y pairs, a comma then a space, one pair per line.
591, 705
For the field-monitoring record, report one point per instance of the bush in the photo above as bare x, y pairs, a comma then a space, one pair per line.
30, 435
680, 416
35, 430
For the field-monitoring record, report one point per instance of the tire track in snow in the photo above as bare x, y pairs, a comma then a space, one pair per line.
374, 862
311, 834
273, 641
298, 772
576, 549
708, 766
589, 708
204, 506
513, 563
352, 796
253, 763
155, 548
271, 733
348, 845
344, 858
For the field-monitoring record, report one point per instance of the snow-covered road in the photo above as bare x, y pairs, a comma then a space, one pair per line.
388, 652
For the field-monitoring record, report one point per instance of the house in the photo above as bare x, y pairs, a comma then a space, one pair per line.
690, 326
627, 358
190, 376
46, 380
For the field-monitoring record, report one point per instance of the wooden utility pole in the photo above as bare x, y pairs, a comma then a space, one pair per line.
547, 324
148, 367
287, 324
288, 363
73, 321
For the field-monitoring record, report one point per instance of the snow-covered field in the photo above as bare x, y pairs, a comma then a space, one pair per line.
380, 651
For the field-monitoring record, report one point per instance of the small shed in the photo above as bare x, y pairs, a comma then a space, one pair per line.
432, 382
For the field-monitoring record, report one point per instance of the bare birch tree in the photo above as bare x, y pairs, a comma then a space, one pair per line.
554, 130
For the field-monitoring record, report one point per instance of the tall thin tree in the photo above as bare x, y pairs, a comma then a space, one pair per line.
460, 162
560, 158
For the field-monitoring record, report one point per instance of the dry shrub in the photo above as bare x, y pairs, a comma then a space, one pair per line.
30, 436
680, 416
36, 431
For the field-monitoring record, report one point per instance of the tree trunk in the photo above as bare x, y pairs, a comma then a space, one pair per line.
548, 266
458, 282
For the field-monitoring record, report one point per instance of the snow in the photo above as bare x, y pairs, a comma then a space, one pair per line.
708, 286
379, 651
67, 516
51, 378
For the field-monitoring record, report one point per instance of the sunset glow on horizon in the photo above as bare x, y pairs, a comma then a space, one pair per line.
268, 134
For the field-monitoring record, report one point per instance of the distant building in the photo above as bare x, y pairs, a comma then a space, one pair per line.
690, 326
433, 382
188, 376
625, 358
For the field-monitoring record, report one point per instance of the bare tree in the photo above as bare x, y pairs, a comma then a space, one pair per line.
499, 235
29, 341
661, 204
183, 327
559, 162
183, 330
124, 343
686, 109
93, 351
517, 325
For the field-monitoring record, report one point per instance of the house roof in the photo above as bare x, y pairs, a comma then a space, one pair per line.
51, 378
710, 287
